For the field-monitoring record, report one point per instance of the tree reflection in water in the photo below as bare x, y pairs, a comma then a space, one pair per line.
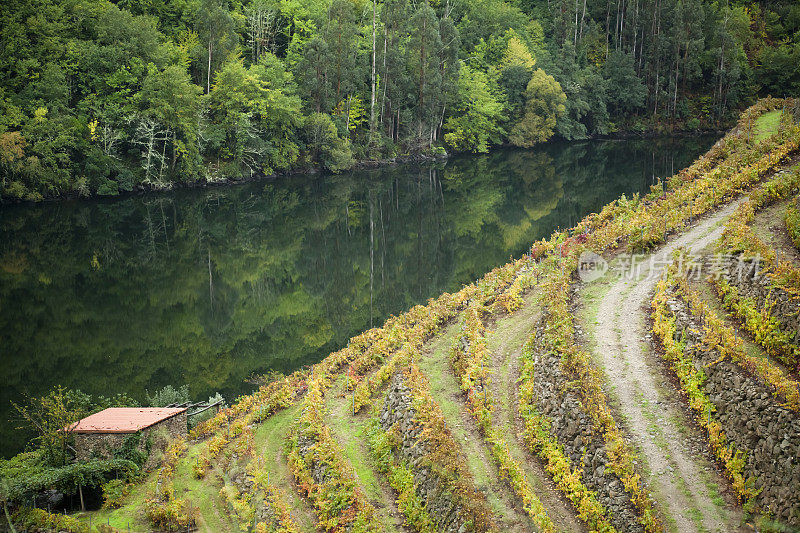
207, 287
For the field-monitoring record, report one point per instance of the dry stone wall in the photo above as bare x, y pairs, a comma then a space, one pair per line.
753, 419
745, 276
574, 431
442, 506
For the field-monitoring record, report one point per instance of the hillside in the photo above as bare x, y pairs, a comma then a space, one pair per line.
538, 399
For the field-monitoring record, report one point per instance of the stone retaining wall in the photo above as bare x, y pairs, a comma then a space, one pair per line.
750, 282
753, 419
442, 506
574, 431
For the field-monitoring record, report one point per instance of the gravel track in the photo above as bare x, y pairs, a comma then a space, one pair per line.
683, 482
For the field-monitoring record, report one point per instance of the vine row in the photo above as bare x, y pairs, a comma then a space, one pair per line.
471, 360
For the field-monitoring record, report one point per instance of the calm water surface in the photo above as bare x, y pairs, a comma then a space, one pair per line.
207, 287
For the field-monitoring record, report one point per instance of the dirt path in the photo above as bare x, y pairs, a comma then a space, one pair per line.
684, 483
445, 389
505, 340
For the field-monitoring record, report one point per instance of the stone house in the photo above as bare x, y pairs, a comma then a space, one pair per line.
98, 435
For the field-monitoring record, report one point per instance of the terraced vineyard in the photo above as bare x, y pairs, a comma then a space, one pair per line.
535, 401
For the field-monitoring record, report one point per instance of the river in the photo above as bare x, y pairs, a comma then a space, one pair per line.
207, 287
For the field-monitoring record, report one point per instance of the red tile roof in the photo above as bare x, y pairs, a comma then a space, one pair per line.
123, 419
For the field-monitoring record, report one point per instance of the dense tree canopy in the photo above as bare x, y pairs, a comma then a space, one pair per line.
99, 97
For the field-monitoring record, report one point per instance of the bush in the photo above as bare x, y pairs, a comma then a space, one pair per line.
792, 219
108, 188
41, 520
331, 150
114, 493
15, 190
171, 515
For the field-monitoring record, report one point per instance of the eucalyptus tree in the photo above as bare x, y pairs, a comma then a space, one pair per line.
329, 70
432, 67
395, 15
216, 28
263, 25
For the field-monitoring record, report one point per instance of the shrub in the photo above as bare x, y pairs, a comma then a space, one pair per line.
114, 493
792, 219
33, 518
323, 139
171, 515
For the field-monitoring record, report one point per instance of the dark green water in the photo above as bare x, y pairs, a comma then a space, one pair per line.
206, 287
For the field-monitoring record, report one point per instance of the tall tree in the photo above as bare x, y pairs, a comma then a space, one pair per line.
449, 68
423, 51
216, 29
328, 69
170, 98
373, 77
340, 33
626, 92
544, 104
730, 34
263, 24
257, 114
394, 76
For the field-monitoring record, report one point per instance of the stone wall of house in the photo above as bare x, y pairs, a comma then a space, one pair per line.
98, 445
753, 419
584, 447
102, 445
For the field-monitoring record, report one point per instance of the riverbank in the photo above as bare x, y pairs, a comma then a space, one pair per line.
226, 182
295, 254
543, 433
441, 156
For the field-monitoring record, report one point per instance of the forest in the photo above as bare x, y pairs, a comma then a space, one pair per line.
101, 97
